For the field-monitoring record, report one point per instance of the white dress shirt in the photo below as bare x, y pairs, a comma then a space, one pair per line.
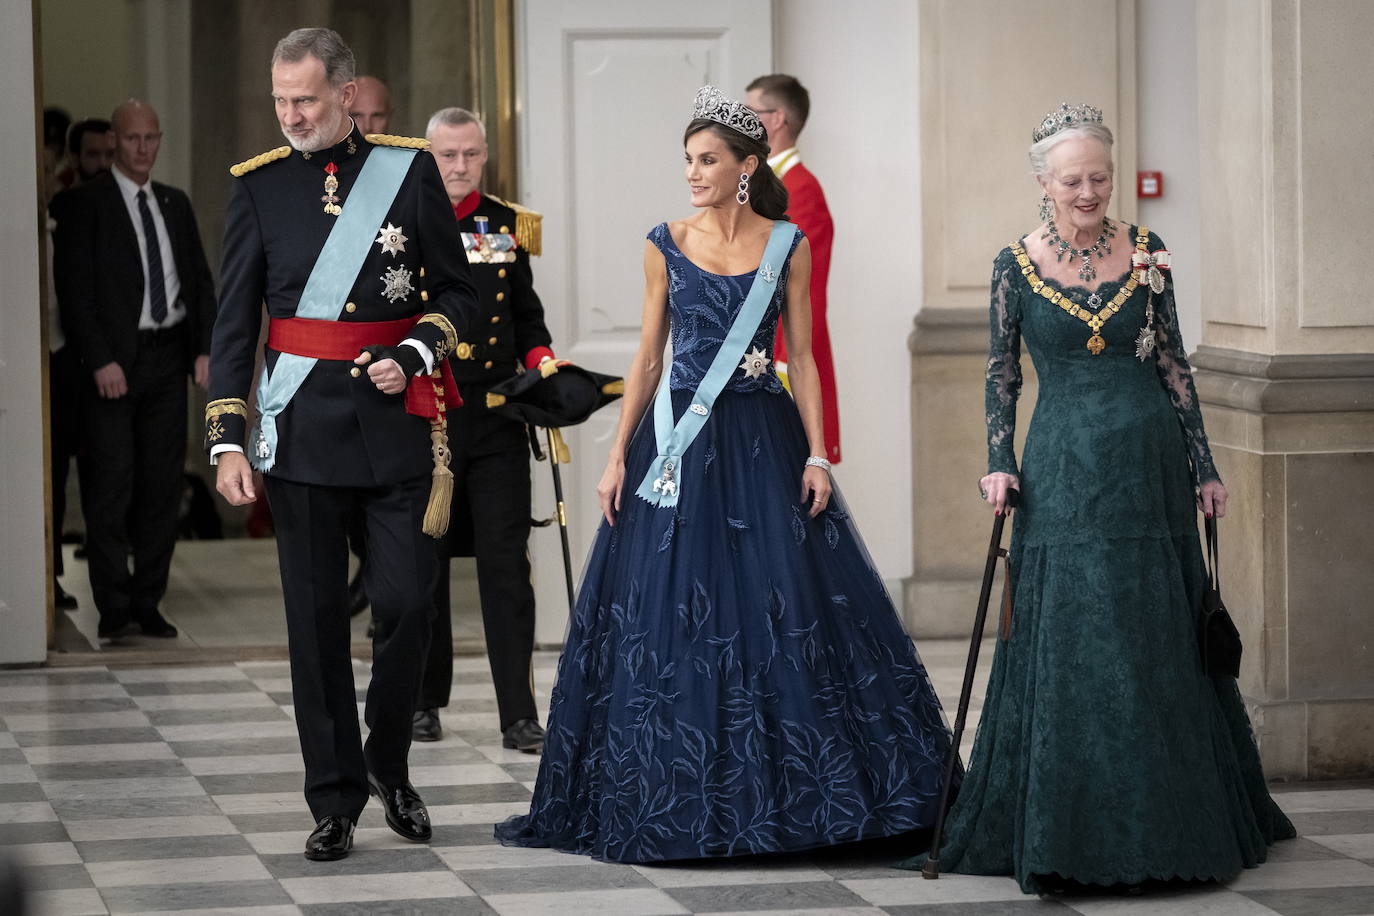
176, 311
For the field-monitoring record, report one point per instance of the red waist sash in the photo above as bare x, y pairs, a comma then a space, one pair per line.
340, 340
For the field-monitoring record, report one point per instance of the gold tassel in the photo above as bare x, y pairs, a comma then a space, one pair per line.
441, 483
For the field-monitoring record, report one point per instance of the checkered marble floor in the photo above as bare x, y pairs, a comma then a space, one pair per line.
177, 789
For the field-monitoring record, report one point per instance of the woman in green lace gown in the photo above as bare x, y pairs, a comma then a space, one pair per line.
1105, 755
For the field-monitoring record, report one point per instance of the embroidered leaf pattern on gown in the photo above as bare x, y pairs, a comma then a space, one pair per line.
731, 684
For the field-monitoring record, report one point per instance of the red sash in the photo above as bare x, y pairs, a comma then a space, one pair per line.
344, 340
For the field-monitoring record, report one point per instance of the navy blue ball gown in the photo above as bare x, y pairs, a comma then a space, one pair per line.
735, 678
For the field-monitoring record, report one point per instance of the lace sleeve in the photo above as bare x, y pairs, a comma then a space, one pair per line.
1004, 366
1171, 362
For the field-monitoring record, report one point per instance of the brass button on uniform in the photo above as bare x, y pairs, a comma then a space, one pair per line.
355, 372
463, 350
491, 340
500, 297
424, 295
495, 319
501, 273
486, 365
505, 229
351, 307
422, 271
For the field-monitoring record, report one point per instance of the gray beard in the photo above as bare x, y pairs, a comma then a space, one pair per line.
317, 139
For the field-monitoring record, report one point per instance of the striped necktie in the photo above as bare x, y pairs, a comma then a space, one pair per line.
157, 286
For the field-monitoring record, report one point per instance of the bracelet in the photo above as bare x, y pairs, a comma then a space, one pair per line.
816, 461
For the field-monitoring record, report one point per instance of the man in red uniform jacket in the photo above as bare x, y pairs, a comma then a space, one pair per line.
783, 104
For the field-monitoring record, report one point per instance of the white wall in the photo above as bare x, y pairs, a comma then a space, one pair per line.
23, 459
1166, 62
862, 142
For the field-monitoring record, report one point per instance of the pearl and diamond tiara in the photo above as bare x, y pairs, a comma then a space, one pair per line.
713, 105
1064, 117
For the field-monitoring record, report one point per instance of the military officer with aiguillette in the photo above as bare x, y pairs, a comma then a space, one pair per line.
333, 233
491, 518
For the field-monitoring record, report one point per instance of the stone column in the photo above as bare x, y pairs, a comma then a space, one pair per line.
1286, 369
989, 72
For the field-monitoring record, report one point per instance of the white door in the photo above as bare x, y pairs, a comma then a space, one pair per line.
24, 569
606, 91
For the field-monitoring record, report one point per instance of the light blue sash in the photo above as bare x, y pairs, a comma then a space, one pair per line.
331, 280
663, 482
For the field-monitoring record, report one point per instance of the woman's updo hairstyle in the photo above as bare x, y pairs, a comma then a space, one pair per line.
1040, 150
767, 195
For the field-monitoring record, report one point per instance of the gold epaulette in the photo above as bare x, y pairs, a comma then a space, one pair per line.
261, 159
529, 226
393, 140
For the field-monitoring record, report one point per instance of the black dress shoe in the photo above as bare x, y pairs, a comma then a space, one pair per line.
405, 812
357, 595
112, 627
154, 624
525, 735
331, 839
61, 599
424, 725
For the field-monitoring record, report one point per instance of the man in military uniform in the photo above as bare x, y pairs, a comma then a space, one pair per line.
490, 452
333, 233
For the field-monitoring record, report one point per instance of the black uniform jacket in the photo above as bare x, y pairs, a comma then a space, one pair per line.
99, 271
509, 330
338, 430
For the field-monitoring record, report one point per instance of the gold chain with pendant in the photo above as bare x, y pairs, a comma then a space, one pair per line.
1094, 320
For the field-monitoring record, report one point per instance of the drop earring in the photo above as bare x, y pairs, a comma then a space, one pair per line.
1046, 208
743, 196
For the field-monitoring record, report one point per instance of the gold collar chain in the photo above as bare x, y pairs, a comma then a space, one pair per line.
1094, 320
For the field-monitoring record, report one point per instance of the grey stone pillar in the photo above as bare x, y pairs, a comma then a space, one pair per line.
1285, 372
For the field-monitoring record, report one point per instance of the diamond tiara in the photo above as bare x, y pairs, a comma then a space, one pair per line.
713, 105
1066, 116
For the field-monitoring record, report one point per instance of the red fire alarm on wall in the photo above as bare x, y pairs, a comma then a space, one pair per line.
1149, 184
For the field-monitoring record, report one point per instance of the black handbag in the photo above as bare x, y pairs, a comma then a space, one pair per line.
1217, 635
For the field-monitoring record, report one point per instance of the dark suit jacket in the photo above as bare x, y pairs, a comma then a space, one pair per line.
99, 271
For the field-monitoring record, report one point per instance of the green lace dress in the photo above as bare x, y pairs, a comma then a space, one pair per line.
1104, 754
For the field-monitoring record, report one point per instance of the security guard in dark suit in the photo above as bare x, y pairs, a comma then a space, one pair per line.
491, 517
362, 432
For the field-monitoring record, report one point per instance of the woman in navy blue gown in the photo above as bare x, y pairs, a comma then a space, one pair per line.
735, 678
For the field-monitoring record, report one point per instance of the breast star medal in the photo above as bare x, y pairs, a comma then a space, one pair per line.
331, 184
755, 363
396, 283
391, 239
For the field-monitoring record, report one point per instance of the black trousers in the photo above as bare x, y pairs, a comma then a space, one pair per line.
133, 453
64, 424
312, 547
491, 519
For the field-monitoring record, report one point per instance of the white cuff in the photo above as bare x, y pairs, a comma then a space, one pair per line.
217, 450
425, 353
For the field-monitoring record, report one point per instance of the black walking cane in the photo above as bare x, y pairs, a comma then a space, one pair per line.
932, 867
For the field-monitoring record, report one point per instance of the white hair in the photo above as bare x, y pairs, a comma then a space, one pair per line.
454, 117
1040, 152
